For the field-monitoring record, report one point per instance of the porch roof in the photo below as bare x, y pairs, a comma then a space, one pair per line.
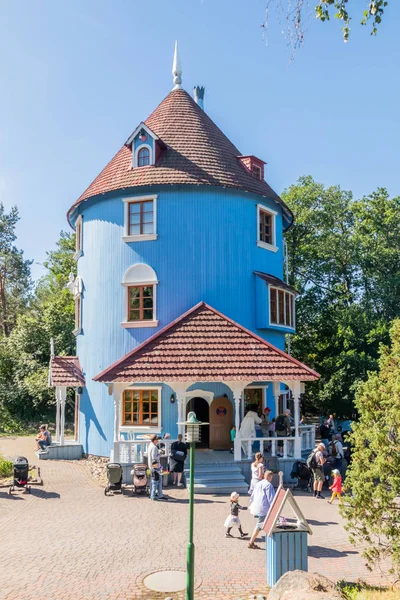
205, 345
65, 371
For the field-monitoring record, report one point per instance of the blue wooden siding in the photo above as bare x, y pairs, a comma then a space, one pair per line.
206, 251
285, 551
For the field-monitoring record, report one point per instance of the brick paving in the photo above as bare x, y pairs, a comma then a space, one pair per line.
71, 542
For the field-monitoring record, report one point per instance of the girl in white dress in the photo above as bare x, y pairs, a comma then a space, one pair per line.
257, 471
233, 519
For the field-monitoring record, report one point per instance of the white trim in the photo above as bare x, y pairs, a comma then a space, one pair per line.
145, 237
79, 240
138, 324
135, 156
208, 396
148, 275
118, 391
281, 325
272, 247
78, 329
137, 237
137, 130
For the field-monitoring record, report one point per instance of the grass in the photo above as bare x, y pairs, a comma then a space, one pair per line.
366, 592
6, 467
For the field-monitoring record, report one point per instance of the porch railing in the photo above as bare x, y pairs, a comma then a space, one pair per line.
135, 451
269, 444
307, 433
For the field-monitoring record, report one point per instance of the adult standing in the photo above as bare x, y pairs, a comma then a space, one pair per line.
153, 454
282, 428
248, 427
316, 462
177, 460
331, 423
339, 455
260, 502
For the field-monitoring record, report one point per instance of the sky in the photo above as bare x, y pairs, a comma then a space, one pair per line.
79, 76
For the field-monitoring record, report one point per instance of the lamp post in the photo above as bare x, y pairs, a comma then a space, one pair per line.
192, 436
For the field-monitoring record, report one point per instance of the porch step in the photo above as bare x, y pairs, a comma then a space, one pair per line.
217, 479
69, 451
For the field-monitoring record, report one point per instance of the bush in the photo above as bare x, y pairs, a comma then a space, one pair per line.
6, 467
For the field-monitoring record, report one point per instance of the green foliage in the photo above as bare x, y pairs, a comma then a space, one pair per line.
372, 508
6, 467
25, 354
344, 259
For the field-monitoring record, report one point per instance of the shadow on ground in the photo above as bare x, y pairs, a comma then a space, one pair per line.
321, 552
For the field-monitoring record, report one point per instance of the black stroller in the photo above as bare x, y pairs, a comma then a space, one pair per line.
20, 475
303, 474
114, 476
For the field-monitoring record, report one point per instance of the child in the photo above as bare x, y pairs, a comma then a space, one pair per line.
154, 479
233, 519
336, 487
233, 435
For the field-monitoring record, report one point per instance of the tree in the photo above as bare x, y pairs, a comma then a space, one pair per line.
297, 15
372, 509
344, 259
15, 281
25, 355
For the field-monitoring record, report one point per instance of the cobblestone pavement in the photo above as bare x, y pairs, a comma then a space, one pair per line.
68, 541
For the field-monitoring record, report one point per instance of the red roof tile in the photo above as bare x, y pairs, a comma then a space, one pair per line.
204, 345
197, 153
66, 371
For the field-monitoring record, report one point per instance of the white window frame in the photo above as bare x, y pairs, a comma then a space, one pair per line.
272, 247
135, 156
150, 280
281, 325
140, 428
140, 237
78, 328
79, 239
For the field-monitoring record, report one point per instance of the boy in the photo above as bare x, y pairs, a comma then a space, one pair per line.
154, 479
233, 435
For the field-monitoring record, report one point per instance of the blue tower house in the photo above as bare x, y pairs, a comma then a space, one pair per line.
180, 295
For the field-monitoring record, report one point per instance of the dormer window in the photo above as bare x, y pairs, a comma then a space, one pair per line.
254, 165
143, 157
146, 146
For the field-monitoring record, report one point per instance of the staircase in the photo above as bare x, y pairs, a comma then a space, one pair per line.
217, 478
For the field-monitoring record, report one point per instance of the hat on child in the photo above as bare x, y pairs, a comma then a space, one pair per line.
234, 495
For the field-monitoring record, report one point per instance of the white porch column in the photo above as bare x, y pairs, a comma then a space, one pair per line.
237, 388
63, 397
297, 389
180, 389
276, 388
58, 409
117, 404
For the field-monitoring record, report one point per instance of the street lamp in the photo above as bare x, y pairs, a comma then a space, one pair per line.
192, 436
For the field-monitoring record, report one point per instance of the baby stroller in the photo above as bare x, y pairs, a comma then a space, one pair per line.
20, 475
303, 474
140, 482
114, 476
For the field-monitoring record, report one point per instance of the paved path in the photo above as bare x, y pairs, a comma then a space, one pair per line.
71, 542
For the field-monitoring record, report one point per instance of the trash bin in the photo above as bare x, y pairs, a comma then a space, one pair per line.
286, 543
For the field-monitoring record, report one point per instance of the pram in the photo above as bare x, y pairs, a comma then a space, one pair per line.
20, 475
303, 474
140, 481
114, 476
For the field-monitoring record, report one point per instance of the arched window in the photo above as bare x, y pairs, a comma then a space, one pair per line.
140, 297
143, 157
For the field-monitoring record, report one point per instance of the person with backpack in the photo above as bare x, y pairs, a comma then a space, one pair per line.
316, 462
282, 428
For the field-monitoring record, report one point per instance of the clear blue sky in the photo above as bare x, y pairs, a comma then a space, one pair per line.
78, 76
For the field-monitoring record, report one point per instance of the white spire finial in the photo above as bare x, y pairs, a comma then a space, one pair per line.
51, 347
177, 69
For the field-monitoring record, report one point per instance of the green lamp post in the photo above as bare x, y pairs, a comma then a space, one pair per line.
192, 436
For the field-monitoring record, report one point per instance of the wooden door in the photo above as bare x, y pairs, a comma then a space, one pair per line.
221, 421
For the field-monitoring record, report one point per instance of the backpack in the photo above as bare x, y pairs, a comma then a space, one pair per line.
312, 461
280, 423
334, 449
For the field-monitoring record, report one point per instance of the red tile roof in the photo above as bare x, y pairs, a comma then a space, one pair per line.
204, 345
197, 153
66, 371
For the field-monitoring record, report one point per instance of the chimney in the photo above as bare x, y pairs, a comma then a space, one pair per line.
198, 93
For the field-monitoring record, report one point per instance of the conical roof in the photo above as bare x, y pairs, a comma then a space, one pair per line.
196, 152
